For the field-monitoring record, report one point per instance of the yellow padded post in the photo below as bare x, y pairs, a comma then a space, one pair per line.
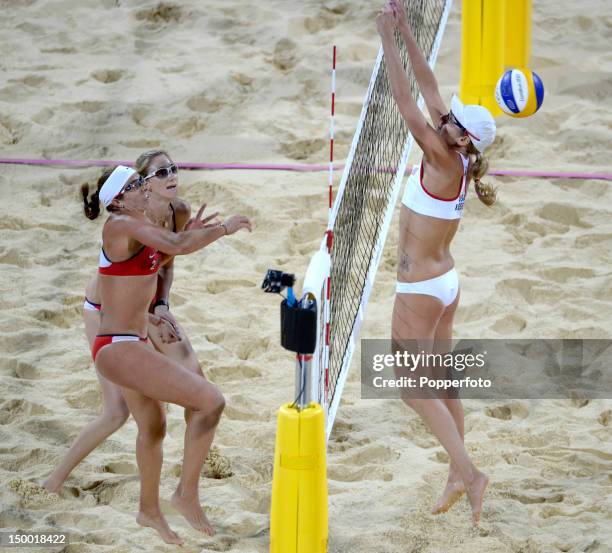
483, 40
471, 31
298, 519
518, 33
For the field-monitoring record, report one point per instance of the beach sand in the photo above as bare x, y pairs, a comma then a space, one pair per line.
224, 81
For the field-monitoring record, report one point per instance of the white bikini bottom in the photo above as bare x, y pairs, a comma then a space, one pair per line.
444, 287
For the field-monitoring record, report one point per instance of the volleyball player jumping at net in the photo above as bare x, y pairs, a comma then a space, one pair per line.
120, 349
428, 286
167, 210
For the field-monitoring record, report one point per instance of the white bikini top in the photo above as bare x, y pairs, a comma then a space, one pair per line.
417, 198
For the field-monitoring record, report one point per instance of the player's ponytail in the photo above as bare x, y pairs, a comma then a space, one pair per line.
480, 165
91, 207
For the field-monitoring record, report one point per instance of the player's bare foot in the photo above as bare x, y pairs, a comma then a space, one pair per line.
451, 494
475, 492
52, 485
158, 522
191, 509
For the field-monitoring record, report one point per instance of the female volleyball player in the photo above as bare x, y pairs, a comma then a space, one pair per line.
120, 350
165, 209
428, 286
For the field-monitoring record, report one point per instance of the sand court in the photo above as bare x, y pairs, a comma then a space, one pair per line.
224, 81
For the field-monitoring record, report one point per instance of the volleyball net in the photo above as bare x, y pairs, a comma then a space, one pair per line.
362, 212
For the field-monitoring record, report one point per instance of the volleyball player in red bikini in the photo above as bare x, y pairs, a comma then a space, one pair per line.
123, 356
167, 210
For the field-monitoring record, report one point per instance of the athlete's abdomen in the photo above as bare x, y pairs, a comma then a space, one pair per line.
126, 303
424, 246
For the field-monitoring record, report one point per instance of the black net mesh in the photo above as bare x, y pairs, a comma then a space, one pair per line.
369, 188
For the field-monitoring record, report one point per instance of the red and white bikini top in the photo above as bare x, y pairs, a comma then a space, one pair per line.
145, 262
419, 199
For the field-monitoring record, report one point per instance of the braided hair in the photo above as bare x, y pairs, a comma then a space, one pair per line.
485, 191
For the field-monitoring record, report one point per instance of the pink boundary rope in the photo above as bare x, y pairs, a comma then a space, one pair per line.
299, 167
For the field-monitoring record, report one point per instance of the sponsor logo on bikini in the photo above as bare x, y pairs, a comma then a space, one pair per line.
154, 260
460, 201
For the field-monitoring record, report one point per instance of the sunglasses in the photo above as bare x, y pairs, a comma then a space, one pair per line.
163, 172
133, 185
450, 118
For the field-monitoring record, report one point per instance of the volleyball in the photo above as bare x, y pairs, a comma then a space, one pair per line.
519, 92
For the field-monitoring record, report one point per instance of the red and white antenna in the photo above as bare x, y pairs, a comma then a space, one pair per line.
331, 139
329, 232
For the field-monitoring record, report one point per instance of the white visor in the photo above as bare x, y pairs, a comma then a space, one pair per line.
114, 184
477, 121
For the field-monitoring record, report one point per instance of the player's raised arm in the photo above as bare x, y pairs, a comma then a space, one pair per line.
423, 133
428, 84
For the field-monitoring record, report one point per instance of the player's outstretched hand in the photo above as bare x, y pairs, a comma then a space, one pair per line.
401, 18
235, 223
198, 223
386, 20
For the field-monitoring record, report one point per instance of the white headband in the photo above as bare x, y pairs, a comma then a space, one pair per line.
114, 183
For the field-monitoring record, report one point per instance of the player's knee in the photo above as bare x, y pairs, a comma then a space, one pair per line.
210, 414
152, 430
209, 397
152, 434
117, 416
219, 405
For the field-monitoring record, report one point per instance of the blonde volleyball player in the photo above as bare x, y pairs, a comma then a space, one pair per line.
428, 285
167, 210
147, 377
114, 408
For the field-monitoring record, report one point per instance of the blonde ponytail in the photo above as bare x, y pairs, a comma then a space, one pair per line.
485, 192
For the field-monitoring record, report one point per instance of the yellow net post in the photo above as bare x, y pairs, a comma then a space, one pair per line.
495, 34
518, 33
298, 519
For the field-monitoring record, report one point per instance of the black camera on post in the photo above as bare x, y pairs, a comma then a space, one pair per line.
298, 318
276, 281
